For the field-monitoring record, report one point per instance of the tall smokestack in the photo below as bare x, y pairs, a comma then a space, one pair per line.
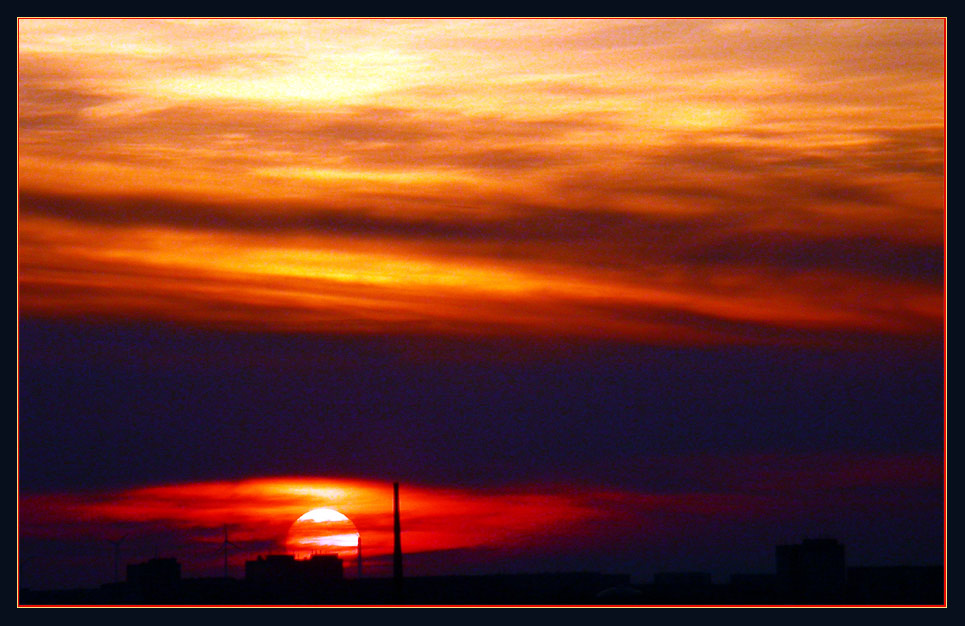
397, 558
358, 555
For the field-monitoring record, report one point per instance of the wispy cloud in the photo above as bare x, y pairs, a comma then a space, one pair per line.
598, 176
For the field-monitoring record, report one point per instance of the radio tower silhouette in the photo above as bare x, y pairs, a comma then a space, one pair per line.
117, 554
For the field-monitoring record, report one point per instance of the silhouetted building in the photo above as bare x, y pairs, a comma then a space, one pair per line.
813, 570
284, 570
283, 579
157, 580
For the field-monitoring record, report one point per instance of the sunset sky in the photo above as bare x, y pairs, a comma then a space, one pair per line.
593, 283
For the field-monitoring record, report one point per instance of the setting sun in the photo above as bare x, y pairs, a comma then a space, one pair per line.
322, 531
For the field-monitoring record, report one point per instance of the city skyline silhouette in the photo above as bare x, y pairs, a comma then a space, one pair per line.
812, 572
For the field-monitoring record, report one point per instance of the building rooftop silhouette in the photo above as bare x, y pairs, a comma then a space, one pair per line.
811, 572
285, 569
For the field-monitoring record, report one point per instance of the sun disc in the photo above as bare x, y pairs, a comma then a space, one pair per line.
322, 531
322, 515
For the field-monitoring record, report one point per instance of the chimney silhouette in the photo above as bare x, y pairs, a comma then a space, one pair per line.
358, 555
397, 556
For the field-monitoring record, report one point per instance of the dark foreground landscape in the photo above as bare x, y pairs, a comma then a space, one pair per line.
811, 573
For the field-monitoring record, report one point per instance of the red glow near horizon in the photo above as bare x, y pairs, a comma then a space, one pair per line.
262, 514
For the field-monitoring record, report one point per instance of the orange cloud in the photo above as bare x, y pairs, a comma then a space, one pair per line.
658, 180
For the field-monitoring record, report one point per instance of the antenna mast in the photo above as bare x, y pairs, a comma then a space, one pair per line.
117, 555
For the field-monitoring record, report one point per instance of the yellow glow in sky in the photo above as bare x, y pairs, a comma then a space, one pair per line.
587, 176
